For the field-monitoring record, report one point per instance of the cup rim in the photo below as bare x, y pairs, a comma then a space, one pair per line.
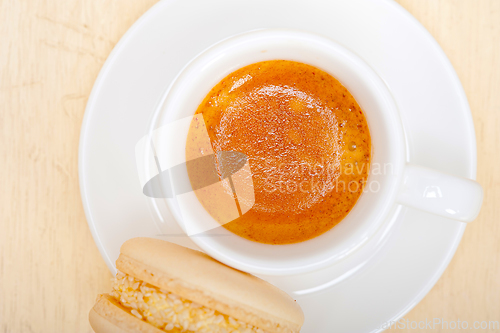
240, 39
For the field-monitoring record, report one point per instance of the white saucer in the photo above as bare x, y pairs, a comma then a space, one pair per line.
359, 297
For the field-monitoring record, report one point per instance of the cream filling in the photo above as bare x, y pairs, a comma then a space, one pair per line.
170, 312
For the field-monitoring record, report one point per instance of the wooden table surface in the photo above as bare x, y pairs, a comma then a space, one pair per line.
50, 55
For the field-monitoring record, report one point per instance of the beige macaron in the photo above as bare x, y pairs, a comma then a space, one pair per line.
164, 287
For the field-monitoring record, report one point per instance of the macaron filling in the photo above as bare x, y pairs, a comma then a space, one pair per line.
171, 313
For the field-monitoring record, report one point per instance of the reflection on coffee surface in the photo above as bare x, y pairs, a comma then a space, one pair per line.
307, 143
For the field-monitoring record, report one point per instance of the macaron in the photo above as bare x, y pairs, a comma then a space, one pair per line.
164, 287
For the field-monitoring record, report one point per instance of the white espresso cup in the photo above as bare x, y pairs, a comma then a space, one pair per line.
391, 182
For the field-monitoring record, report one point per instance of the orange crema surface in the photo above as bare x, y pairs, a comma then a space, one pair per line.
307, 143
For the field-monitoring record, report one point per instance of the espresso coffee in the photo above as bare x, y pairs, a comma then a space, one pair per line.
307, 143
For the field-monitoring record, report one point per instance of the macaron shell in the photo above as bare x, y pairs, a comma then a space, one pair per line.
108, 316
197, 277
100, 324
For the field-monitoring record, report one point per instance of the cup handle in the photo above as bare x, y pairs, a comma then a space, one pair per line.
440, 193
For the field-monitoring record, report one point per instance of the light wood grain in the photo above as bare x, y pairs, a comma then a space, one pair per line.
50, 55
